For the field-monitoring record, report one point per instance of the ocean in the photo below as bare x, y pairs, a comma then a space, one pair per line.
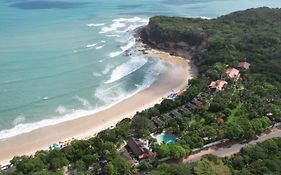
63, 59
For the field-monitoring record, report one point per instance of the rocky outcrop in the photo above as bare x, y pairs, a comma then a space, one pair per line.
156, 37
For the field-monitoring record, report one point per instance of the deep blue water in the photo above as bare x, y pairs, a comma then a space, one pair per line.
62, 59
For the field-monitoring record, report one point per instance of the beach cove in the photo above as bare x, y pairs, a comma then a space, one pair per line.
175, 79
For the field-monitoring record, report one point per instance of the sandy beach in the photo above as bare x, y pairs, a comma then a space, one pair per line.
174, 79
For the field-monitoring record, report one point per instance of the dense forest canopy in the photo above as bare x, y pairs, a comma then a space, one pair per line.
253, 35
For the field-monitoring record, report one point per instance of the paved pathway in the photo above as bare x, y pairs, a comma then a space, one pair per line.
228, 151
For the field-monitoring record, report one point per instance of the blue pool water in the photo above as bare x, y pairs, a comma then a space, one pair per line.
62, 59
167, 139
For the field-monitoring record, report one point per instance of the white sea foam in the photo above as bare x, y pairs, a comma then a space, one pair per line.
114, 26
99, 47
113, 94
134, 19
107, 69
127, 68
95, 45
110, 96
122, 23
61, 110
91, 45
202, 17
28, 127
18, 120
120, 28
83, 101
124, 48
205, 17
113, 35
95, 25
96, 74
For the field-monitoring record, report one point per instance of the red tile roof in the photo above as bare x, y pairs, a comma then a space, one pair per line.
244, 65
220, 120
233, 73
218, 85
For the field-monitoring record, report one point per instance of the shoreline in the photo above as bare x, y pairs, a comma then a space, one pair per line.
89, 125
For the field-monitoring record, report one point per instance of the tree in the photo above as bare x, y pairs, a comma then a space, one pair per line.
144, 165
119, 166
141, 126
80, 165
162, 150
206, 167
193, 140
177, 151
166, 105
233, 131
58, 162
209, 131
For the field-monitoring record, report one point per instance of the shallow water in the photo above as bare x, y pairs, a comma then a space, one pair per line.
62, 59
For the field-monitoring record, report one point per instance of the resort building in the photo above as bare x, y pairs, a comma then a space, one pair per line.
158, 122
127, 157
244, 65
217, 85
138, 148
233, 73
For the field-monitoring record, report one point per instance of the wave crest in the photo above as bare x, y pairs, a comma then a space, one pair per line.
95, 25
127, 68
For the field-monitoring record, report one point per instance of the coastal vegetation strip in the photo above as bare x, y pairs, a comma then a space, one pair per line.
219, 105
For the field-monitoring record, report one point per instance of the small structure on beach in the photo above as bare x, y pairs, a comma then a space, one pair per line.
233, 73
172, 96
217, 85
61, 144
244, 65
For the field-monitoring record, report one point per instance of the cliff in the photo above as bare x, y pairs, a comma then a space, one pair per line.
253, 35
172, 32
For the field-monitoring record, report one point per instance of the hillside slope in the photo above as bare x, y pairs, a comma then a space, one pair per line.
253, 35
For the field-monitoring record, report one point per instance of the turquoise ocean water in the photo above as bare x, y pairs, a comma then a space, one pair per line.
62, 59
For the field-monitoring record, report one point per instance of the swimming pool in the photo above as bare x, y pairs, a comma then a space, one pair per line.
167, 139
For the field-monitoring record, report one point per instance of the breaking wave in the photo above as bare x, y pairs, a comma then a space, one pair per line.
84, 102
99, 47
127, 68
18, 120
120, 29
108, 68
91, 45
61, 110
95, 25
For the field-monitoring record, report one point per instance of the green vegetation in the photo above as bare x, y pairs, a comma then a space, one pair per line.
253, 34
239, 112
263, 158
